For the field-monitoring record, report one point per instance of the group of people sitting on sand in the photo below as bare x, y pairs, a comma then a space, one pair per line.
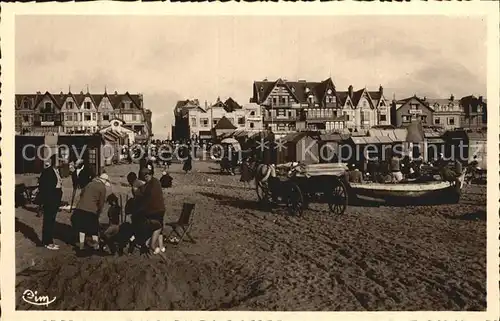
144, 211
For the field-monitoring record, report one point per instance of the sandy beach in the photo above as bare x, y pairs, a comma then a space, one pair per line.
247, 258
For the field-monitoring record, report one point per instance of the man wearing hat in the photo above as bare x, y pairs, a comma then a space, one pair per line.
85, 218
82, 175
50, 194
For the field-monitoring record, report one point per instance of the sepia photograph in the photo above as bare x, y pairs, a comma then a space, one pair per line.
250, 163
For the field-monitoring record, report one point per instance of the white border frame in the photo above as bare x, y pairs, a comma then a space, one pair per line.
488, 9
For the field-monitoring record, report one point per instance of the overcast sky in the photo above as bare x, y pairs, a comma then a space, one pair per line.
173, 58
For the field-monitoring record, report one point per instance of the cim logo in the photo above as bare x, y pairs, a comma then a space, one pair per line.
35, 299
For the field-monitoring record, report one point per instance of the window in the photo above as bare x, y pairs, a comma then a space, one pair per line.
26, 118
105, 117
26, 105
252, 113
383, 117
94, 116
215, 121
69, 117
346, 115
252, 125
382, 103
275, 101
423, 118
241, 120
281, 113
87, 117
48, 107
134, 117
87, 105
70, 105
193, 121
451, 121
437, 121
204, 122
283, 100
310, 99
406, 118
414, 106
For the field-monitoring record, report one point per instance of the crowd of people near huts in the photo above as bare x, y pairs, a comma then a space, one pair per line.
398, 169
143, 228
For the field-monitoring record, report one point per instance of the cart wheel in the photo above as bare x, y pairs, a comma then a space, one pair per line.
263, 193
295, 200
337, 202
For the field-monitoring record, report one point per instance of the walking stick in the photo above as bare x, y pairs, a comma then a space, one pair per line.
73, 198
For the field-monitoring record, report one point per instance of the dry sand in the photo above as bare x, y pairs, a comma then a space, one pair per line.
246, 258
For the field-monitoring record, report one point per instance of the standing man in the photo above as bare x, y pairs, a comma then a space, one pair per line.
82, 175
395, 166
50, 189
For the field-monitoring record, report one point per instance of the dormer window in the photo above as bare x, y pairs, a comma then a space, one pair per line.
87, 105
26, 105
70, 105
48, 107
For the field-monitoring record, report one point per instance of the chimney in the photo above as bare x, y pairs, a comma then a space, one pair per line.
350, 90
480, 98
381, 90
302, 80
81, 92
206, 105
116, 93
452, 98
38, 93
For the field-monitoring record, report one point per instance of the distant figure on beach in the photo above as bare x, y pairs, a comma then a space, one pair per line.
395, 166
166, 180
246, 172
355, 175
50, 195
188, 163
85, 218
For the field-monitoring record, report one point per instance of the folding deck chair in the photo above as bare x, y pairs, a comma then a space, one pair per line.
183, 225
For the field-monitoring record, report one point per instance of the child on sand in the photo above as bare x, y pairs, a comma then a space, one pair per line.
113, 229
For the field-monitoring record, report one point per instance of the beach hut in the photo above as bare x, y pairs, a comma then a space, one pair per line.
298, 147
477, 147
328, 146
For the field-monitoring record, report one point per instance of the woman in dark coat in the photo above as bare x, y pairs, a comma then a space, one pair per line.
188, 163
246, 172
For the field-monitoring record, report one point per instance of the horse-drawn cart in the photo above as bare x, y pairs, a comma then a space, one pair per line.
298, 185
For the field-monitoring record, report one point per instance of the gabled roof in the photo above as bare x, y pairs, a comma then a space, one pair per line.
420, 100
224, 123
231, 105
262, 89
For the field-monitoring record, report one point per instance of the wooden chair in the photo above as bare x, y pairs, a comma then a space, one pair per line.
183, 225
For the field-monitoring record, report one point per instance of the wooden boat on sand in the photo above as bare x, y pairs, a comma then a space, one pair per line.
409, 193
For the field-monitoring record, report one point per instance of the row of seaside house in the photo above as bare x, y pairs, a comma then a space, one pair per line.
103, 149
414, 140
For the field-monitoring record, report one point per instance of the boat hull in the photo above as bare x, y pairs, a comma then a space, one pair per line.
407, 194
